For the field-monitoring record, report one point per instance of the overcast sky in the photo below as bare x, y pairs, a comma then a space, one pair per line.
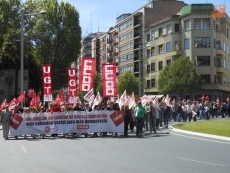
101, 14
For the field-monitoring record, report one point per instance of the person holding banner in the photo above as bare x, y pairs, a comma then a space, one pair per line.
5, 121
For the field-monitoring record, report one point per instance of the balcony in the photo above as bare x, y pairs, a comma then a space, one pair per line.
88, 47
109, 59
116, 34
116, 44
109, 50
137, 23
109, 40
87, 55
220, 70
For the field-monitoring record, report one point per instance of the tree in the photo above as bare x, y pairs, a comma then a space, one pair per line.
128, 82
97, 83
181, 77
56, 37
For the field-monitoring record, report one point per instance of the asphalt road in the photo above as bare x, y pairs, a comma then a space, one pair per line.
165, 152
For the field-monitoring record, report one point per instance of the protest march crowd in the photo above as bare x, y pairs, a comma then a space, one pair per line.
146, 114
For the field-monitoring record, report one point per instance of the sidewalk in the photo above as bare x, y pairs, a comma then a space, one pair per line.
199, 134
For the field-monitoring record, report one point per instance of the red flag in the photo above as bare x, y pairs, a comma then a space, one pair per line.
38, 101
3, 104
33, 101
202, 98
21, 98
207, 98
12, 104
60, 97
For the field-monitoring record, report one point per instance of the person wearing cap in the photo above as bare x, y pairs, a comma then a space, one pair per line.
5, 121
139, 113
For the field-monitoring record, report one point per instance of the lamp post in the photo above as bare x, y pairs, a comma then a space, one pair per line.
139, 66
22, 12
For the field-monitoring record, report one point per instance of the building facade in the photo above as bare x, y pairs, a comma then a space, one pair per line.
200, 35
131, 29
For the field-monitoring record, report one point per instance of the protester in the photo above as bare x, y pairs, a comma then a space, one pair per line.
139, 113
152, 118
5, 121
127, 119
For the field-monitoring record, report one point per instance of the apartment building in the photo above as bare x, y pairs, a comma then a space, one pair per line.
199, 35
89, 49
131, 29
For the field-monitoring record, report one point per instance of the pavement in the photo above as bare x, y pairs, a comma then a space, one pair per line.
199, 134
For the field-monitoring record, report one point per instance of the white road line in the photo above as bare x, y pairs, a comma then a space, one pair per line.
23, 148
216, 164
201, 138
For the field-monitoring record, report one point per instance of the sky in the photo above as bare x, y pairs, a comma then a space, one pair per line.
100, 15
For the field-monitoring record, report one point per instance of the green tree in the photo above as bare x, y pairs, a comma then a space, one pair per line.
56, 36
127, 82
181, 77
97, 83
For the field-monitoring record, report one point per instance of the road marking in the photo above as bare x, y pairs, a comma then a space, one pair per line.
23, 148
201, 138
216, 164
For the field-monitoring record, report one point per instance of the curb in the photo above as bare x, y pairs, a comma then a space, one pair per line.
201, 134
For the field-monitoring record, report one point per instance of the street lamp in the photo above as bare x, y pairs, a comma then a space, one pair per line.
139, 66
22, 11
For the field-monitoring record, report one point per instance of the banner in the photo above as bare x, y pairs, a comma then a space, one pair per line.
47, 84
87, 74
109, 80
67, 122
72, 82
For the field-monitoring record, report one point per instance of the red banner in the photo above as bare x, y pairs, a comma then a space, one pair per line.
47, 84
87, 74
109, 80
72, 82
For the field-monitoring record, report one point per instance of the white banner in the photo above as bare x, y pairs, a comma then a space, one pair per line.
67, 122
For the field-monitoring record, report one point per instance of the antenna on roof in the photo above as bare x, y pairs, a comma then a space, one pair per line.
91, 22
98, 26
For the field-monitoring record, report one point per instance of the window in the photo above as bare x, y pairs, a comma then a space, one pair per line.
160, 32
153, 34
203, 60
227, 32
225, 80
152, 51
202, 42
148, 83
218, 63
202, 23
160, 65
153, 66
218, 80
168, 29
148, 37
206, 78
217, 44
168, 62
153, 83
186, 25
168, 47
148, 68
186, 43
160, 49
177, 27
